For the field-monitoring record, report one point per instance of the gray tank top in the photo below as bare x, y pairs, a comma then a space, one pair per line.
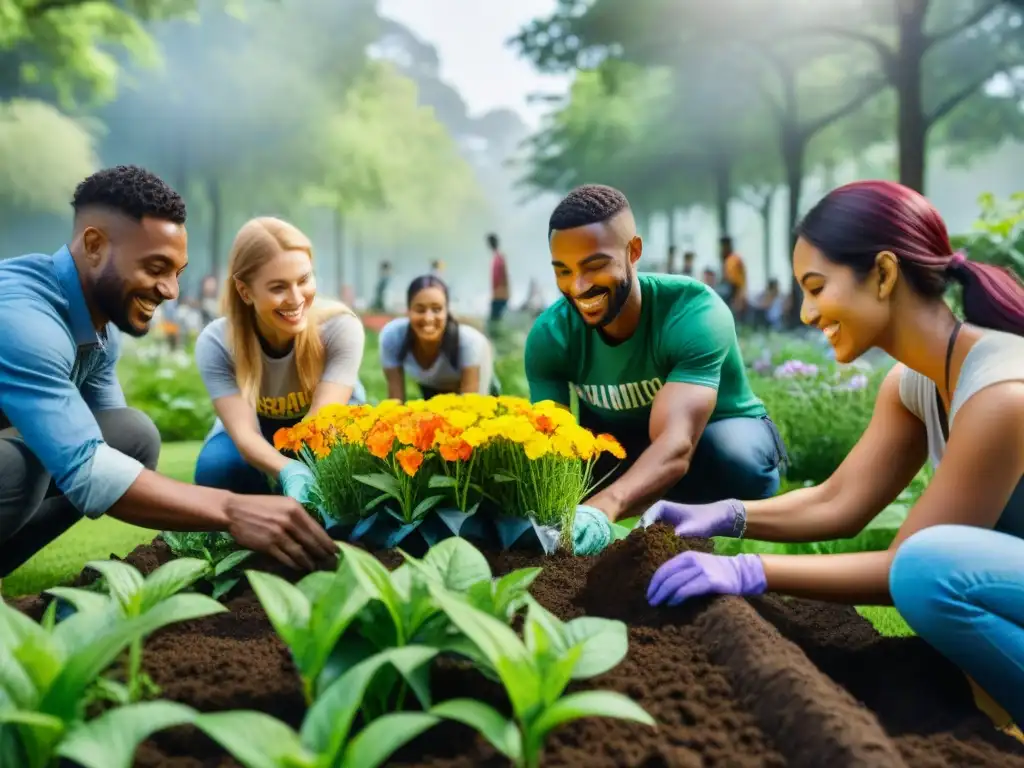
994, 358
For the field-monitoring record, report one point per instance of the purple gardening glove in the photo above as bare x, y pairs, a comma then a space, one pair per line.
693, 574
722, 518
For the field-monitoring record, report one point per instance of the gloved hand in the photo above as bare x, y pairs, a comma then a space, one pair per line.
692, 574
591, 531
721, 518
296, 480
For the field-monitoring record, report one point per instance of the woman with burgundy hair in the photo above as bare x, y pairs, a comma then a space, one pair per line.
874, 261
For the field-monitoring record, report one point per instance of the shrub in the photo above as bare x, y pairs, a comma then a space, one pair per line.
821, 413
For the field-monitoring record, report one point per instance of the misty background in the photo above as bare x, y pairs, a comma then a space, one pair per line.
406, 130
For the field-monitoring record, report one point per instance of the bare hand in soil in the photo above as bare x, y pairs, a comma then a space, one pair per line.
280, 527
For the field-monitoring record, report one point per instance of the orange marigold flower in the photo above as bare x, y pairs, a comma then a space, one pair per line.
455, 449
425, 431
283, 439
410, 460
380, 440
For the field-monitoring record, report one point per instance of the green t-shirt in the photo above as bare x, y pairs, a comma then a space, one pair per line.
686, 334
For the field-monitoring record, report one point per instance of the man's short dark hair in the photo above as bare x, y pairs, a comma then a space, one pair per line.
726, 241
587, 204
492, 240
132, 191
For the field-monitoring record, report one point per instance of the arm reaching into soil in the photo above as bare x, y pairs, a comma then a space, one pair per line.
678, 417
881, 464
982, 466
275, 525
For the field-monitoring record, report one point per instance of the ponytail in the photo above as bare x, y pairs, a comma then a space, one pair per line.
993, 297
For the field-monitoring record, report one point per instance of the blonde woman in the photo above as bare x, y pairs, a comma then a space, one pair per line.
276, 354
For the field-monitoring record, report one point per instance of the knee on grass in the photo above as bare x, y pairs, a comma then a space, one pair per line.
131, 432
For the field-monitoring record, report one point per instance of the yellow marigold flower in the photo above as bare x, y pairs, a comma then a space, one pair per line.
584, 442
475, 437
562, 445
606, 443
461, 419
520, 430
410, 460
536, 447
353, 433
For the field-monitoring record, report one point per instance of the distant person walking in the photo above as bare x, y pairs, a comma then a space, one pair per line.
499, 282
688, 258
383, 280
734, 279
432, 348
209, 299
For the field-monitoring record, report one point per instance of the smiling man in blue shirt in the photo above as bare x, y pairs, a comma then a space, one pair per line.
69, 445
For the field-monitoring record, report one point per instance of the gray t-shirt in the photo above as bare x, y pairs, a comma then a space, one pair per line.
474, 350
282, 402
994, 358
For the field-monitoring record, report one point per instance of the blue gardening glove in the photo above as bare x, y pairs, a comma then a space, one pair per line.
591, 531
693, 574
722, 518
296, 482
296, 479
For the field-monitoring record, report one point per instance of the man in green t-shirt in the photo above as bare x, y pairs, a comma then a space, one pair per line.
654, 361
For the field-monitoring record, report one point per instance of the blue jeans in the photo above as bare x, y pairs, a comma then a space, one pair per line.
961, 589
220, 465
735, 458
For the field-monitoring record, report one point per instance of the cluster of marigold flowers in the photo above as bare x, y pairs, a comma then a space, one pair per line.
453, 426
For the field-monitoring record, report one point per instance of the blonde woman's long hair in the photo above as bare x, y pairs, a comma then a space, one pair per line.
257, 242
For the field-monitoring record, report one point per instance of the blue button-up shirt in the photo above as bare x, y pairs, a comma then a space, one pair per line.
55, 372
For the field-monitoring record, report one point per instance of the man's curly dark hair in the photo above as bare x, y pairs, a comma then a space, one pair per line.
132, 191
587, 204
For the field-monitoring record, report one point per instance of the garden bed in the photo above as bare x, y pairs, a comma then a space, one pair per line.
719, 676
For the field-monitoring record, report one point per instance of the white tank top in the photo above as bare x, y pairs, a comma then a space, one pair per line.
994, 358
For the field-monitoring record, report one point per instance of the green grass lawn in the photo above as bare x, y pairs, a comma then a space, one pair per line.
97, 539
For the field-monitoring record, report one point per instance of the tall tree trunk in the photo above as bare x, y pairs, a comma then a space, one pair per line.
912, 126
213, 192
766, 232
793, 145
339, 249
723, 192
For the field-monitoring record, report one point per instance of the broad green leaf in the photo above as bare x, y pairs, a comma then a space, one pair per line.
511, 590
556, 671
88, 661
81, 599
17, 628
222, 586
123, 580
170, 579
111, 739
286, 607
587, 704
331, 614
232, 560
604, 642
501, 732
379, 740
442, 481
385, 483
457, 563
425, 506
41, 662
499, 644
255, 739
32, 719
326, 726
377, 501
376, 580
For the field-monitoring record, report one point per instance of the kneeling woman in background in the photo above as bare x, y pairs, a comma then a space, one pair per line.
274, 356
433, 349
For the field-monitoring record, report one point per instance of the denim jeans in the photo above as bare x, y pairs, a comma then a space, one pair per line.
961, 588
33, 511
220, 465
735, 458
